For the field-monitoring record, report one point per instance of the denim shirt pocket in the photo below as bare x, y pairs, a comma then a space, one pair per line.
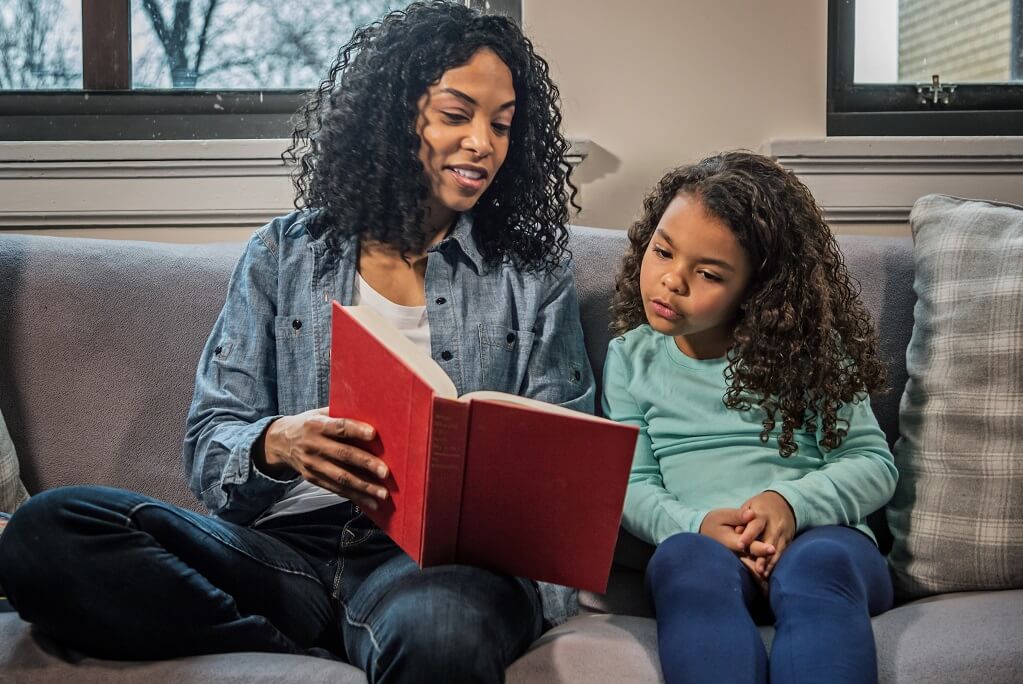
504, 356
296, 364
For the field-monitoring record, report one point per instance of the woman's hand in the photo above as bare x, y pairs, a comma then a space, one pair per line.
773, 523
324, 451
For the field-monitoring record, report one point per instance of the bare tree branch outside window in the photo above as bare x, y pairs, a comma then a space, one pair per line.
40, 45
242, 44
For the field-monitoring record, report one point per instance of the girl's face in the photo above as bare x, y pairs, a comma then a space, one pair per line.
464, 124
692, 279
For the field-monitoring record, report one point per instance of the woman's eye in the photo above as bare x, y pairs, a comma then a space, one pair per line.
501, 128
455, 117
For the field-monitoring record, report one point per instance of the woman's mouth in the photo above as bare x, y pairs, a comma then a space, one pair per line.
468, 178
663, 310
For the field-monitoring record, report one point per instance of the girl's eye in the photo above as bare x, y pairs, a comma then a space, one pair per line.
455, 117
710, 276
661, 252
501, 129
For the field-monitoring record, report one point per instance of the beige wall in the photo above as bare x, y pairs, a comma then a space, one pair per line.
657, 83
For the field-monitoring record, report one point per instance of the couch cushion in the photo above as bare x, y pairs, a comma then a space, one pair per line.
592, 648
957, 514
30, 658
962, 638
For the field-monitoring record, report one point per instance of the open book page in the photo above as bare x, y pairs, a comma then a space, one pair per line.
418, 361
535, 404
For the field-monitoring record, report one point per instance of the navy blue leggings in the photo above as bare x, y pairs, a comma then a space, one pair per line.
823, 592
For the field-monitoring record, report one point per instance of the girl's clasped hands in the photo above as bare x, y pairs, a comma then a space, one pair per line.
758, 532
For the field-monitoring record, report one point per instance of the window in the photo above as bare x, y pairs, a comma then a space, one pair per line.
170, 69
925, 67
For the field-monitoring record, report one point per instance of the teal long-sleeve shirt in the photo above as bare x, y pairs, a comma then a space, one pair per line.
694, 454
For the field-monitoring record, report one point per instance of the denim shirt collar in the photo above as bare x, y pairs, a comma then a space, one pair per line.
461, 235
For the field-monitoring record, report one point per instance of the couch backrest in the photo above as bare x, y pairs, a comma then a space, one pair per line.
99, 341
98, 347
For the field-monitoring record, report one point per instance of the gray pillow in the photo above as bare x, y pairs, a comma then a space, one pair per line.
957, 513
12, 491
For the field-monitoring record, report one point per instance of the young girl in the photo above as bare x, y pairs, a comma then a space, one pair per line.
433, 188
746, 359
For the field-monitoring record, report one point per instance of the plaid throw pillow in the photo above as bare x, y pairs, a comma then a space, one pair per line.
957, 513
12, 491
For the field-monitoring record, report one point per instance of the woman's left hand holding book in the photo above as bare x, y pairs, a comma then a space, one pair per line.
325, 451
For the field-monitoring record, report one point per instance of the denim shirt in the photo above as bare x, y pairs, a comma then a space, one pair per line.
491, 327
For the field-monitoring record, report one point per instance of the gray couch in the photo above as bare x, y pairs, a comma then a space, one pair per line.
98, 346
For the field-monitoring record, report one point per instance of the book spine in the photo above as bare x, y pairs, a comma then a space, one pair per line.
444, 478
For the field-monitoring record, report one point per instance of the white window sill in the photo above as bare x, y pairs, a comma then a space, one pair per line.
150, 184
876, 180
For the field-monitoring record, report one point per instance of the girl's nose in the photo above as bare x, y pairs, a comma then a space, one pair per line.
675, 282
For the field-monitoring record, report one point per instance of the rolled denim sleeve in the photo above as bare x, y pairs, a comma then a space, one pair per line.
559, 370
235, 396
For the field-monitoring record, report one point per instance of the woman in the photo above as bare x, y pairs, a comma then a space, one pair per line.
431, 187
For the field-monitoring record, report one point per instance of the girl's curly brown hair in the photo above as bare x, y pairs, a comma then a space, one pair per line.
804, 344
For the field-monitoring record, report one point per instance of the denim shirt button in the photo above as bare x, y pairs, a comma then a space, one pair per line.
218, 350
510, 338
446, 355
576, 376
296, 324
441, 300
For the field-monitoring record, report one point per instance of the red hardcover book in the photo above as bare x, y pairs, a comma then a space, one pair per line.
489, 479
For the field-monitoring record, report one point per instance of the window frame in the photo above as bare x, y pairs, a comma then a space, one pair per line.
882, 109
107, 108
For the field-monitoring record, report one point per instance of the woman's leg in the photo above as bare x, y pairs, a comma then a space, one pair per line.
824, 590
117, 574
702, 596
449, 623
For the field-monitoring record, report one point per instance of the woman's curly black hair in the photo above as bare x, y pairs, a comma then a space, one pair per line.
804, 344
357, 148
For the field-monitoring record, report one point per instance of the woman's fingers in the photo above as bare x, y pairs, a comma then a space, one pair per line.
346, 428
346, 482
349, 456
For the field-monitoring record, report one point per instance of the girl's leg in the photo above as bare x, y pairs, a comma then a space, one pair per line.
702, 596
824, 590
117, 574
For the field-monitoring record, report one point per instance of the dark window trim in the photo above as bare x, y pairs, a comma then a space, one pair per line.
106, 45
108, 109
896, 109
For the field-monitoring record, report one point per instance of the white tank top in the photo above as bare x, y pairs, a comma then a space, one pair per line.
411, 320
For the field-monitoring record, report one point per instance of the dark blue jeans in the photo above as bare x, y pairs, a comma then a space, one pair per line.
117, 574
822, 594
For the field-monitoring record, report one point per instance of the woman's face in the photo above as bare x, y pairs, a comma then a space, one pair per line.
464, 126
